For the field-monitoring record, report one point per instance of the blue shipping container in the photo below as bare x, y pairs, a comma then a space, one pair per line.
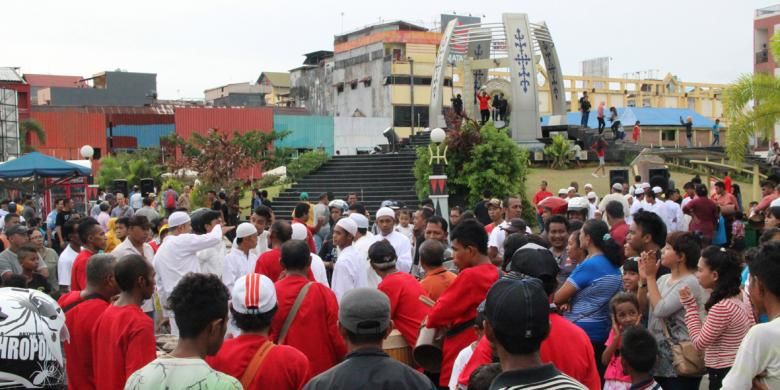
147, 136
306, 132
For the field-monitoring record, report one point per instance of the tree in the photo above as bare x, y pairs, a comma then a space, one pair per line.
28, 128
763, 90
131, 167
217, 156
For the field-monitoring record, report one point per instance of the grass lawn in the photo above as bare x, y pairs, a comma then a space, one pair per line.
246, 201
558, 179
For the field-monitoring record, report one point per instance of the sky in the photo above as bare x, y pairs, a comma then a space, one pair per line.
195, 45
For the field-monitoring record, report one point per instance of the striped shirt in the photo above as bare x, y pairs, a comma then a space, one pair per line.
597, 281
541, 377
727, 323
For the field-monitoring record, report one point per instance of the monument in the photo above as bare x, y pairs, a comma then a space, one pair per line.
514, 44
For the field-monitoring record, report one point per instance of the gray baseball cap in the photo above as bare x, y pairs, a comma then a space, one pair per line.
365, 311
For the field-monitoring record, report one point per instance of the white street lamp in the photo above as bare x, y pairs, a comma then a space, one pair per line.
87, 152
438, 135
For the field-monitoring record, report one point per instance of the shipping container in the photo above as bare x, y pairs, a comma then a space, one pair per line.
68, 131
306, 132
147, 136
191, 120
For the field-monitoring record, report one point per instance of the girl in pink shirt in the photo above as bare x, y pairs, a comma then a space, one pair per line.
625, 314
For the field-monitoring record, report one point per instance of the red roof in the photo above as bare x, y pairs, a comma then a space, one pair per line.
50, 80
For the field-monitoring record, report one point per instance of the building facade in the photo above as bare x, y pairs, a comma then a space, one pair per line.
276, 88
765, 23
117, 88
223, 91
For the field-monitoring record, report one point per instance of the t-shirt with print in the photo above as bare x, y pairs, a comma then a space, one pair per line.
167, 372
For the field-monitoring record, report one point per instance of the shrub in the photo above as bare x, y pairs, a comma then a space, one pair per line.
306, 163
558, 151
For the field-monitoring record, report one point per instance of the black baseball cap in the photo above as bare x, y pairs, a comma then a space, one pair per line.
516, 225
534, 262
518, 307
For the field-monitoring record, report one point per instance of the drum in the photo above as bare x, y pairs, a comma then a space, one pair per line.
396, 346
428, 352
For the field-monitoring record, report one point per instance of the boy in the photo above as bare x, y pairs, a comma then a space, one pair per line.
93, 239
404, 217
631, 276
28, 258
637, 356
200, 306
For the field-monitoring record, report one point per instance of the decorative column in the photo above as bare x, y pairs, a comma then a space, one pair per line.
438, 180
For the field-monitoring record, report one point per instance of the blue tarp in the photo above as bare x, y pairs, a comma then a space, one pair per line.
647, 116
37, 164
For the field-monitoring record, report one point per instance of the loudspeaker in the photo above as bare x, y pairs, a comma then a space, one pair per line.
147, 186
119, 186
659, 178
618, 176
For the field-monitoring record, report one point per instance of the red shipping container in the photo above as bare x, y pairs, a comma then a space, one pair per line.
67, 132
192, 120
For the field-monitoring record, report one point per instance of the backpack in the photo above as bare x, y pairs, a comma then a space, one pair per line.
170, 200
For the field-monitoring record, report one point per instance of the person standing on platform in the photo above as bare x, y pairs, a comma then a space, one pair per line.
584, 109
484, 107
456, 308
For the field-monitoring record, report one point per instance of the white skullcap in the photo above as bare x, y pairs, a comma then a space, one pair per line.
299, 231
253, 294
592, 195
246, 229
570, 189
657, 190
360, 220
645, 185
588, 185
639, 191
348, 224
562, 191
385, 212
178, 218
617, 187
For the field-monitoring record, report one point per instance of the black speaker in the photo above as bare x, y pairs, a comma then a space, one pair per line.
659, 178
147, 186
618, 176
119, 186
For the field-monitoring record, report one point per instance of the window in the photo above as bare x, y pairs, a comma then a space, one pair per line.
340, 87
668, 135
402, 116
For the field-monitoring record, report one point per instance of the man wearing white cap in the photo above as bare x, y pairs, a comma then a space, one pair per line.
562, 193
571, 192
615, 196
385, 221
177, 256
654, 203
592, 202
300, 232
237, 261
349, 272
362, 243
253, 307
639, 201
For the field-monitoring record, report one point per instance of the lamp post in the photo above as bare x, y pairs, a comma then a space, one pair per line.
87, 152
438, 180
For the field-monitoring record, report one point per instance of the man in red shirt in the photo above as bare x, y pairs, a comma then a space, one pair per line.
123, 339
407, 311
768, 194
93, 240
617, 222
456, 308
567, 346
705, 214
301, 215
314, 329
726, 201
268, 263
82, 309
253, 307
484, 106
542, 193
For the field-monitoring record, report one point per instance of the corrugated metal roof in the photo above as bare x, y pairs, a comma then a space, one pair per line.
52, 80
147, 136
277, 79
160, 109
647, 117
306, 132
10, 74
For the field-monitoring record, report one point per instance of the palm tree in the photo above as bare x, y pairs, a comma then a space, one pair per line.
28, 127
761, 89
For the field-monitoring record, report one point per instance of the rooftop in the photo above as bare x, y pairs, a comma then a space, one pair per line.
51, 80
768, 11
9, 74
277, 79
384, 26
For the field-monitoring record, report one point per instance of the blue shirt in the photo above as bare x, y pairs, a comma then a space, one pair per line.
597, 280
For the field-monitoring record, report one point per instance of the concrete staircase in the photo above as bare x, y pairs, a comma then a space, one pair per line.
373, 178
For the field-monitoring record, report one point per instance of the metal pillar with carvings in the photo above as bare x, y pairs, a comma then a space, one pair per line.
438, 180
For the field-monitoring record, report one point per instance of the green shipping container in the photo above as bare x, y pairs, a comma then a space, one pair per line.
306, 132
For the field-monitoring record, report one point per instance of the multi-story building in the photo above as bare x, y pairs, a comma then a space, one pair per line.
276, 88
225, 91
116, 88
311, 85
42, 81
11, 79
765, 23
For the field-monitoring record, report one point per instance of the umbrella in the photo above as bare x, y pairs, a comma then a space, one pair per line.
557, 204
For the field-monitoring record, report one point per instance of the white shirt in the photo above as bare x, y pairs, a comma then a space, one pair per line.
403, 249
592, 208
757, 354
676, 213
212, 260
362, 245
638, 204
136, 201
65, 264
318, 270
460, 362
127, 248
236, 264
498, 235
177, 256
349, 272
254, 253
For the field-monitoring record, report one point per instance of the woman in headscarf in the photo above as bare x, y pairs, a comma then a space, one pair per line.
111, 237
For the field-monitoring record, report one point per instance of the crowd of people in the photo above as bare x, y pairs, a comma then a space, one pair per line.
642, 288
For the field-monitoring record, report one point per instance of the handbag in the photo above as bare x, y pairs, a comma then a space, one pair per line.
686, 359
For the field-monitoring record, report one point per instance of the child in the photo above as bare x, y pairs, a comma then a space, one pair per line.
28, 259
625, 314
465, 354
752, 209
635, 135
637, 356
738, 232
403, 227
631, 276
